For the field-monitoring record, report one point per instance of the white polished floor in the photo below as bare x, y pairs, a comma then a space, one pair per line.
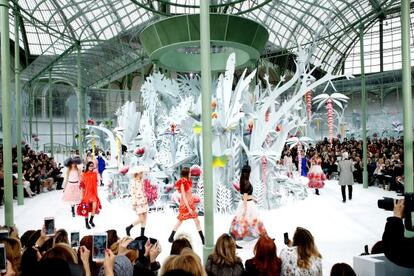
340, 230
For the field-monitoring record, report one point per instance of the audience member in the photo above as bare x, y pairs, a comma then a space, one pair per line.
224, 261
265, 261
302, 258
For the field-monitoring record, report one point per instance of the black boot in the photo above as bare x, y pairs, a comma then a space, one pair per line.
343, 193
317, 191
73, 210
128, 230
171, 238
201, 236
91, 222
142, 231
87, 224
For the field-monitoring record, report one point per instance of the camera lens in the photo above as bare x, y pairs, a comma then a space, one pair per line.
387, 203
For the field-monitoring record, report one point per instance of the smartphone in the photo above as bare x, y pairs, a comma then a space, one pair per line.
50, 226
4, 234
153, 241
74, 239
99, 244
3, 260
286, 238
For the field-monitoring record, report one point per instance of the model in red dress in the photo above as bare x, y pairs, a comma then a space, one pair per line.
188, 208
90, 199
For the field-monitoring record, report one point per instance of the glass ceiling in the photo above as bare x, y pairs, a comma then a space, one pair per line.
52, 26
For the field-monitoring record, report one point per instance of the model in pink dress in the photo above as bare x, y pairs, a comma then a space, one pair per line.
72, 192
315, 174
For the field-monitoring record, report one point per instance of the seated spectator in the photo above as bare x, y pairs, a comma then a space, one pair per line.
303, 257
61, 236
265, 261
224, 261
342, 269
179, 244
187, 261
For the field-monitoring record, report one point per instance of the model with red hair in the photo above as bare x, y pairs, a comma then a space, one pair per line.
265, 261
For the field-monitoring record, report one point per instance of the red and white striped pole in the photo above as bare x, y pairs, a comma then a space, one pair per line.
329, 107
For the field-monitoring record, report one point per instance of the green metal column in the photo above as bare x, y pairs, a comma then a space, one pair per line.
50, 97
6, 111
364, 110
407, 96
30, 112
18, 106
81, 103
206, 121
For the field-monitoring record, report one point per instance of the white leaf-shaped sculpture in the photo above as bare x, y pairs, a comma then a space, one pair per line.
304, 141
128, 120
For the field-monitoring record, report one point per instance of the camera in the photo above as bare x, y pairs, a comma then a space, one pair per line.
387, 203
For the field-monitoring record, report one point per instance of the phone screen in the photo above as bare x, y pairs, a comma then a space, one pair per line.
74, 239
99, 246
286, 238
4, 234
50, 226
3, 261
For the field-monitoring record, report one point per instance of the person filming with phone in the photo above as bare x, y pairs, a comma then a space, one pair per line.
397, 248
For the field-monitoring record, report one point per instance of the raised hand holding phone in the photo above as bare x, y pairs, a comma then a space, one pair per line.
3, 259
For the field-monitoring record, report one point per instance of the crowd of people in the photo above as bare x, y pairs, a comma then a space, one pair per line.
35, 253
384, 161
41, 173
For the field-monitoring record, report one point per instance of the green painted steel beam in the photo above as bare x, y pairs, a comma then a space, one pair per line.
80, 92
50, 98
407, 96
6, 112
18, 108
207, 130
179, 50
51, 64
364, 111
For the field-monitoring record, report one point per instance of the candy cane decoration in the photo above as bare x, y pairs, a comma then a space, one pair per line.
329, 107
309, 103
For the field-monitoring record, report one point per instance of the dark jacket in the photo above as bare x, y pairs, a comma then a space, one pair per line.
213, 269
251, 269
397, 248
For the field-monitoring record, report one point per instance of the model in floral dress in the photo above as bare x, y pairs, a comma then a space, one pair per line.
188, 208
90, 201
72, 192
246, 225
139, 199
315, 174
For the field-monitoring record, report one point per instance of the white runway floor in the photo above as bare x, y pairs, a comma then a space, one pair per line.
340, 230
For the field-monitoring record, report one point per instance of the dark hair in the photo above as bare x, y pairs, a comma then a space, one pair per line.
178, 245
342, 269
29, 261
25, 238
245, 186
112, 237
185, 172
378, 248
178, 272
87, 165
61, 236
52, 267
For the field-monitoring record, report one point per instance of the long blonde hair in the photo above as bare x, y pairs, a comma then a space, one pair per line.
224, 252
69, 168
306, 247
187, 261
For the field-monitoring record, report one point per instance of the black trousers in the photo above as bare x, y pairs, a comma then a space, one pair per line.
349, 192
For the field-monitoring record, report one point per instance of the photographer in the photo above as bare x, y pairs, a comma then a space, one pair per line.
397, 248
